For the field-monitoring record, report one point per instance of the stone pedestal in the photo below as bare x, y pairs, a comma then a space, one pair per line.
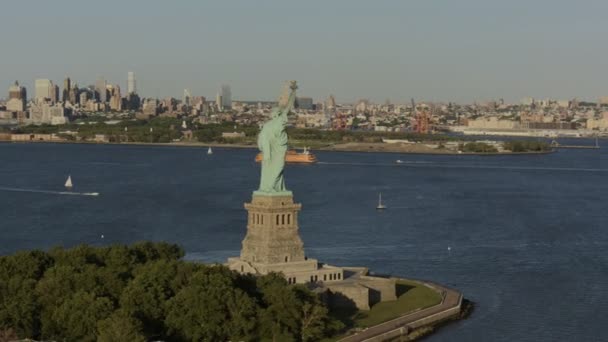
273, 244
272, 231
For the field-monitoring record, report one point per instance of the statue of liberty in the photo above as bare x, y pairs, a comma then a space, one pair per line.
272, 141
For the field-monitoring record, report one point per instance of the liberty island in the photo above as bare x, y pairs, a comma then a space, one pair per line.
272, 244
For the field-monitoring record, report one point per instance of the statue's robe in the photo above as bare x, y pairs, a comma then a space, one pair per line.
272, 141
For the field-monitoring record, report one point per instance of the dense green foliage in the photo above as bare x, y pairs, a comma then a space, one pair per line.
360, 136
526, 146
477, 147
146, 291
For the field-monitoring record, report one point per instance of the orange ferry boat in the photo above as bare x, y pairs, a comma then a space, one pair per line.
305, 157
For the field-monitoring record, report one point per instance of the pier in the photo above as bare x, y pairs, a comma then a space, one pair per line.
557, 145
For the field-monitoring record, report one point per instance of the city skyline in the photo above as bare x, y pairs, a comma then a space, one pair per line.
440, 51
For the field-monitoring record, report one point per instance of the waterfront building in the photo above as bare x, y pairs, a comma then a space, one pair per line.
131, 85
17, 98
492, 123
600, 124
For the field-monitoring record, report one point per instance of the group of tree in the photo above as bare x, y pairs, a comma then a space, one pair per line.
477, 147
526, 146
148, 292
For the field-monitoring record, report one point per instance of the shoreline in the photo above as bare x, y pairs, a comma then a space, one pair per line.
360, 147
419, 323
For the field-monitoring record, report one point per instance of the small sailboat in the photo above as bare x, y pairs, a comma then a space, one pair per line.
209, 151
380, 205
68, 183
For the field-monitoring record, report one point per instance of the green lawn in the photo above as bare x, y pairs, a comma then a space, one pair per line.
412, 296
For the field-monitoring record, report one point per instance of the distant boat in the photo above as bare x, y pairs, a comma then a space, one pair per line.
209, 151
399, 161
380, 205
68, 183
292, 156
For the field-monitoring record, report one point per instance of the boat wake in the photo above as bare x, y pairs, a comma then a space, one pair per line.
50, 192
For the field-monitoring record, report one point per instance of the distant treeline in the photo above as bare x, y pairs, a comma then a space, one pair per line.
166, 129
147, 292
513, 146
526, 146
360, 136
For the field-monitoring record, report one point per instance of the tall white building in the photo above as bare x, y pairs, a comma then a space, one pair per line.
187, 98
218, 101
101, 89
226, 96
44, 89
131, 85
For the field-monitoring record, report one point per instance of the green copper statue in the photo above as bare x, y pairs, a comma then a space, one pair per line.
272, 141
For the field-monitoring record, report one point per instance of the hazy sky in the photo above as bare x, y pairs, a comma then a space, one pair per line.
447, 50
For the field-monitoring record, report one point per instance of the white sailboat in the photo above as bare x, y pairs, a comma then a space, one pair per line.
209, 151
380, 205
68, 183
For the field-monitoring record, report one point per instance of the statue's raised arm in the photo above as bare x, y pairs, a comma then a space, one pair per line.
272, 141
288, 98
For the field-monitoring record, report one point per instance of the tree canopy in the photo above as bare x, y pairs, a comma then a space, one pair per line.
146, 291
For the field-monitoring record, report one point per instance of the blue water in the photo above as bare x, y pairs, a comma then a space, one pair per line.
528, 234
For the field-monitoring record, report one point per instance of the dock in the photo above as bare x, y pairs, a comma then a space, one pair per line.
577, 146
557, 145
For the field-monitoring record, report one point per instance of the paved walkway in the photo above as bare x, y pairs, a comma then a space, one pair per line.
450, 305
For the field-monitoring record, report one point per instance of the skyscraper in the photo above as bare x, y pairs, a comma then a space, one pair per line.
187, 98
67, 85
17, 98
226, 95
73, 94
101, 90
218, 101
131, 85
55, 94
116, 99
44, 90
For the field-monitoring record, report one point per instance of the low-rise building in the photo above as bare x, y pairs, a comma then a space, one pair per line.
233, 135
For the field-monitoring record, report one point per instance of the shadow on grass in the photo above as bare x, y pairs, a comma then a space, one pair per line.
403, 288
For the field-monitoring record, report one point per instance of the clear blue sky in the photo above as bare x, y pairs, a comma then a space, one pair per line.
448, 50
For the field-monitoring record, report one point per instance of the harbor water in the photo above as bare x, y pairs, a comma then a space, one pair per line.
524, 237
